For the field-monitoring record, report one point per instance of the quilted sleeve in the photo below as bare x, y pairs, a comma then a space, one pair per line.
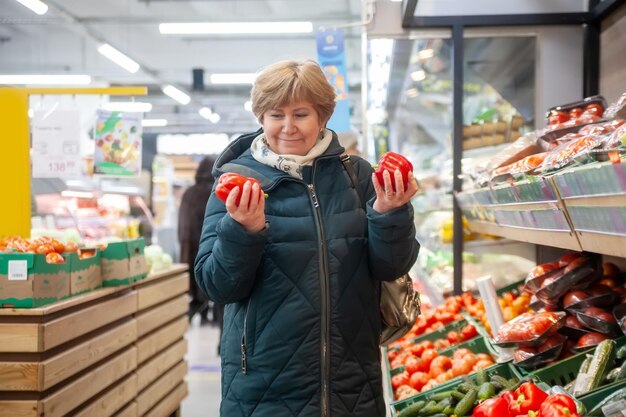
228, 257
392, 246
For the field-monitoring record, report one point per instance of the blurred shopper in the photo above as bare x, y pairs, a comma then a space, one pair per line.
190, 218
300, 271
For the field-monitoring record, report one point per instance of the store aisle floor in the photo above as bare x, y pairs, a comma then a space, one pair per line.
203, 378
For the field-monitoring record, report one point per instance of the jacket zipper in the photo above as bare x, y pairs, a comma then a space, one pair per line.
324, 298
244, 357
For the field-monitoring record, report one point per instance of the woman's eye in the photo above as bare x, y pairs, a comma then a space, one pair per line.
276, 115
302, 115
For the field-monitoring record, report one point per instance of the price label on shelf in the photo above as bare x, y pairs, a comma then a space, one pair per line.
56, 144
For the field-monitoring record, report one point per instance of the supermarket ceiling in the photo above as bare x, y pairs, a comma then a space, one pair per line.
65, 40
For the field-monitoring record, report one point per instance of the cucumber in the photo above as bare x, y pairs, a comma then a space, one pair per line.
412, 410
448, 410
466, 387
481, 377
621, 374
503, 382
486, 391
429, 410
584, 367
612, 375
440, 396
466, 405
621, 352
457, 395
602, 360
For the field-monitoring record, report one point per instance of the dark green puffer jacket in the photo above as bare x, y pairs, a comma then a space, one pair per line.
302, 318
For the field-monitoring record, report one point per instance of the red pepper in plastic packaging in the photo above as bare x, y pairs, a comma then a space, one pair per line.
559, 405
391, 161
528, 397
493, 407
229, 181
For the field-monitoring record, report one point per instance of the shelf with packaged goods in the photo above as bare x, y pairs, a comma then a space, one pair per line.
592, 199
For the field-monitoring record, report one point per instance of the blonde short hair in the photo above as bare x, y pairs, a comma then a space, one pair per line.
286, 82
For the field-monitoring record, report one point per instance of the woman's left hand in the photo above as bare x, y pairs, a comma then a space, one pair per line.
386, 198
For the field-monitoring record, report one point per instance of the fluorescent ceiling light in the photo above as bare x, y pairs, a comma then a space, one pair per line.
205, 112
45, 79
418, 75
215, 118
426, 53
154, 122
241, 78
128, 106
234, 28
247, 105
176, 94
118, 57
36, 6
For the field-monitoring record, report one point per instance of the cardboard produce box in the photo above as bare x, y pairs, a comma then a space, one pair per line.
27, 280
85, 273
123, 262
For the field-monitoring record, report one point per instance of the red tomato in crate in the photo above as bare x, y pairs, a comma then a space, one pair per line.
54, 258
575, 113
418, 380
591, 339
469, 332
454, 337
400, 379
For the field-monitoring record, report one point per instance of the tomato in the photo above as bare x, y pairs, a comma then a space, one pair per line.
391, 162
575, 113
392, 354
44, 249
428, 356
461, 367
575, 264
73, 247
460, 353
440, 365
454, 337
553, 341
54, 258
404, 391
483, 364
521, 354
418, 380
598, 290
442, 344
574, 297
567, 258
595, 109
469, 332
600, 314
413, 364
400, 379
591, 339
542, 269
556, 117
609, 282
610, 270
573, 322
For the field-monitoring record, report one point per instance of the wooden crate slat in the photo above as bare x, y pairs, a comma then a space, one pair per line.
9, 408
169, 403
129, 411
19, 376
71, 361
161, 387
149, 320
155, 367
20, 337
155, 342
150, 295
70, 396
113, 400
80, 322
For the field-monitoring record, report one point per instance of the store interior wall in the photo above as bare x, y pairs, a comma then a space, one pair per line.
613, 55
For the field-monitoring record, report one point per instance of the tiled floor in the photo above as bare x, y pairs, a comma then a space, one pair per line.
203, 378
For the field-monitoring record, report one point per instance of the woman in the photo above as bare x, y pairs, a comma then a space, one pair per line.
190, 219
299, 271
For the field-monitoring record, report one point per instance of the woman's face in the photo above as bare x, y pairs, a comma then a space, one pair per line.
292, 129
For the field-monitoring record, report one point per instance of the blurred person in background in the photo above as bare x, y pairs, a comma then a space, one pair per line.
190, 218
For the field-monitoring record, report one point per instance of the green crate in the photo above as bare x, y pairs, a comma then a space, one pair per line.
593, 398
505, 370
442, 332
565, 371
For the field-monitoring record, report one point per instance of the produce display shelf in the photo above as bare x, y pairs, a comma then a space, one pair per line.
505, 370
556, 238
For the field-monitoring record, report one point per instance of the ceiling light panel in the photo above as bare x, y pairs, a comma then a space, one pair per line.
154, 122
119, 58
241, 78
128, 106
176, 94
234, 28
36, 6
28, 79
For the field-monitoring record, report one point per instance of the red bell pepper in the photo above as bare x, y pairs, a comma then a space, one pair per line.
229, 181
391, 161
528, 397
559, 405
493, 407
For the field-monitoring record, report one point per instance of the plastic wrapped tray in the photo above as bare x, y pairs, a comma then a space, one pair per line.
523, 323
573, 333
607, 299
575, 279
535, 278
598, 325
542, 357
619, 312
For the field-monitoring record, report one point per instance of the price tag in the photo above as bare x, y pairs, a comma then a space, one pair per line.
18, 270
56, 144
616, 409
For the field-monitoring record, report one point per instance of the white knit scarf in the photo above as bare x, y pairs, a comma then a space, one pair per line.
291, 164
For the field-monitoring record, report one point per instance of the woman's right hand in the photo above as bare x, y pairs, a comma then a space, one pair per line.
250, 212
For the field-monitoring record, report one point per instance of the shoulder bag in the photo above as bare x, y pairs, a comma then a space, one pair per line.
399, 302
